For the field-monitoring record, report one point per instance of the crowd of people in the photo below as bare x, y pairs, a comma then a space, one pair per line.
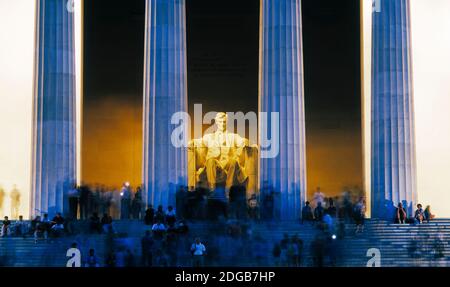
166, 234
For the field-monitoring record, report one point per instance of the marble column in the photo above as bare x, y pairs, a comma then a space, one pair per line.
54, 113
281, 92
393, 148
165, 93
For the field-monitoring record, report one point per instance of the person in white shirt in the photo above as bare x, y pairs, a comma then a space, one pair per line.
198, 251
158, 230
319, 197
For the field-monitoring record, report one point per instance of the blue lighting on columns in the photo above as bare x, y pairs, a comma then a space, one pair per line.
54, 115
281, 91
393, 148
165, 93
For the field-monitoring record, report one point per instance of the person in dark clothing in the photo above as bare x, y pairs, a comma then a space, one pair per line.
149, 215
5, 227
57, 224
159, 216
331, 210
84, 200
95, 225
400, 214
307, 213
171, 216
319, 212
147, 249
268, 203
136, 204
106, 223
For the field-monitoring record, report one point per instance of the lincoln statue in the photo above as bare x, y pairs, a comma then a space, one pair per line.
223, 150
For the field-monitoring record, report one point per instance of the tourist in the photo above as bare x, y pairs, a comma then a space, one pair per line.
276, 254
182, 227
419, 214
106, 223
159, 215
360, 213
318, 212
147, 249
125, 201
73, 195
318, 197
307, 213
92, 260
39, 228
149, 215
400, 214
268, 203
171, 216
198, 251
158, 230
427, 215
253, 209
57, 224
95, 226
284, 245
129, 258
21, 227
136, 204
331, 210
5, 227
299, 249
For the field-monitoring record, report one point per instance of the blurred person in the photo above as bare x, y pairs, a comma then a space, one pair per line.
5, 227
125, 201
276, 254
92, 260
400, 214
159, 215
318, 197
427, 215
198, 251
307, 213
73, 196
21, 227
253, 208
419, 214
106, 223
95, 226
318, 212
136, 204
360, 213
331, 210
149, 215
171, 216
57, 224
159, 229
15, 202
147, 249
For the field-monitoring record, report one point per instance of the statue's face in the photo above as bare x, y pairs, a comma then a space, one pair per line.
221, 124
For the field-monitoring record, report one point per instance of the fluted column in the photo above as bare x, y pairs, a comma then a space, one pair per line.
281, 91
165, 93
54, 117
393, 148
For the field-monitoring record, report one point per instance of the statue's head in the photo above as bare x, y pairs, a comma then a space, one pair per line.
221, 121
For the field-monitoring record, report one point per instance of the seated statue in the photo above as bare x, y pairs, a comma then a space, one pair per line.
221, 156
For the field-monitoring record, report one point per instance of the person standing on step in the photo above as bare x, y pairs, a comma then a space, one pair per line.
198, 251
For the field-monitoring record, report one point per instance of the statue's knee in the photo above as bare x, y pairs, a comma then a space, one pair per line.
211, 162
